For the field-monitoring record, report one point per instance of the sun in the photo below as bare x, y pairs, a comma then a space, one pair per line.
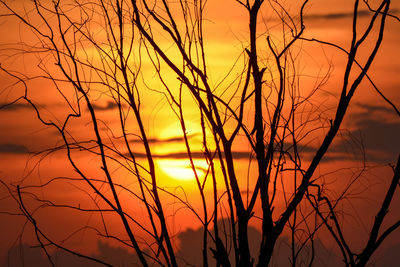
178, 166
180, 169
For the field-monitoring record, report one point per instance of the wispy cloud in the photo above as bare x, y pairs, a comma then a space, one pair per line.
13, 106
376, 136
237, 155
13, 149
337, 15
194, 155
110, 105
373, 108
175, 139
343, 15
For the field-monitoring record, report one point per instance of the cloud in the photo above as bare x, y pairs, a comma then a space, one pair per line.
375, 108
24, 255
190, 251
348, 147
175, 155
13, 149
237, 155
110, 105
376, 136
344, 15
370, 130
176, 139
14, 106
338, 15
389, 257
195, 155
381, 138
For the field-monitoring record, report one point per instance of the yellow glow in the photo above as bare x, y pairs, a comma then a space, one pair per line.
181, 169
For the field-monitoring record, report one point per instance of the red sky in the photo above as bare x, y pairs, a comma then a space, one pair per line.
369, 118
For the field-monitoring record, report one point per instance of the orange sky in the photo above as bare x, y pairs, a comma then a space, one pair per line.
225, 36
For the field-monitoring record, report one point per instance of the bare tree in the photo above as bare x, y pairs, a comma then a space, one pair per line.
117, 53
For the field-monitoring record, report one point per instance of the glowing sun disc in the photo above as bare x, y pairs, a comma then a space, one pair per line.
179, 169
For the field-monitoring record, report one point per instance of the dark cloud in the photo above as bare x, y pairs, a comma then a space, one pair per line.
379, 139
175, 139
13, 149
14, 106
181, 155
237, 155
372, 131
110, 105
25, 255
190, 252
390, 256
380, 146
375, 108
339, 15
195, 155
176, 155
344, 15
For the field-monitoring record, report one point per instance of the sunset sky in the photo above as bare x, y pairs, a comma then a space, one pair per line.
371, 124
